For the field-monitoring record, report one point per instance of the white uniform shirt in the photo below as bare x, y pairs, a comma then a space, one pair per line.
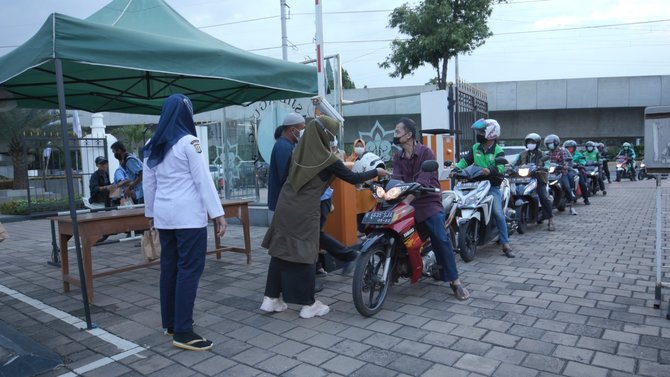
179, 192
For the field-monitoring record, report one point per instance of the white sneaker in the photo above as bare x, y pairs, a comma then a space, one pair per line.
316, 309
273, 305
573, 211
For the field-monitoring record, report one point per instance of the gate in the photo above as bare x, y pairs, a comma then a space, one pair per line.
45, 163
469, 103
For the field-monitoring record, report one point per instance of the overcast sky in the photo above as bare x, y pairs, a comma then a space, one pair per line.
606, 37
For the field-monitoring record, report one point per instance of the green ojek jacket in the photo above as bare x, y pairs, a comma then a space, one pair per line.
485, 159
592, 156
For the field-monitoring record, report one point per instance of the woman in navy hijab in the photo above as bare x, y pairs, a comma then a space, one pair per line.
179, 196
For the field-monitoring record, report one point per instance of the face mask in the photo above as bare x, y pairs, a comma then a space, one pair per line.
300, 133
359, 150
625, 148
531, 147
481, 138
118, 156
551, 146
590, 149
396, 140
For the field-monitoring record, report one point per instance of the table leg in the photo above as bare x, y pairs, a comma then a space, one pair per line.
217, 242
247, 237
87, 242
64, 262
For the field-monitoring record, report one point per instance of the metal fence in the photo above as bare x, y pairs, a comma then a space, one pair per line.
469, 104
45, 163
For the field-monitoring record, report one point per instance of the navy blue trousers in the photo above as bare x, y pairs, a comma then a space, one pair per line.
183, 254
444, 251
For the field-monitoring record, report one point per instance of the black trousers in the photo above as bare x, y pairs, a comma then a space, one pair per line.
293, 281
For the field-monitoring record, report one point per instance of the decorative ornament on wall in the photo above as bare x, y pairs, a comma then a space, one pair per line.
379, 141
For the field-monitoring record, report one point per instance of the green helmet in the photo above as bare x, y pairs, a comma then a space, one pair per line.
590, 146
626, 146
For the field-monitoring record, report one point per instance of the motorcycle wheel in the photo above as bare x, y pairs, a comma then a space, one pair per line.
369, 289
618, 176
640, 176
522, 217
467, 239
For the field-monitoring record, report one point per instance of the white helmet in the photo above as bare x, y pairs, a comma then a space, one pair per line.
368, 162
489, 127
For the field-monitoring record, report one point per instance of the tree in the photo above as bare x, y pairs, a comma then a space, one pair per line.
346, 79
438, 30
133, 137
12, 126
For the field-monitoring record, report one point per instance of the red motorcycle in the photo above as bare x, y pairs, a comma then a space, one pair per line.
393, 247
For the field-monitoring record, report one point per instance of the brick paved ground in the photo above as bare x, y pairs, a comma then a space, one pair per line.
575, 302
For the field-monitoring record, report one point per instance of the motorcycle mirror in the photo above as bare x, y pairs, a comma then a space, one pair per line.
448, 163
429, 166
501, 161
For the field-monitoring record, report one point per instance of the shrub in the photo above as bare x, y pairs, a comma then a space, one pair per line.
20, 206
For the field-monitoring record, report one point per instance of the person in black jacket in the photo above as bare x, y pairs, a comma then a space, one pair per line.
99, 184
533, 155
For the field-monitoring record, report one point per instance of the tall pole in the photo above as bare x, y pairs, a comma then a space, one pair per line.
284, 38
320, 73
60, 87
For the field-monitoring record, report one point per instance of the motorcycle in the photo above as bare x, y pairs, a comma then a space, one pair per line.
524, 195
556, 193
474, 218
624, 169
642, 172
393, 247
593, 176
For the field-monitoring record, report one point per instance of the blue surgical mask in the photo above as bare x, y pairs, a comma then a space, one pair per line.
590, 149
551, 146
531, 147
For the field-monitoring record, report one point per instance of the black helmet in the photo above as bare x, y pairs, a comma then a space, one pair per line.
570, 143
534, 137
601, 146
552, 139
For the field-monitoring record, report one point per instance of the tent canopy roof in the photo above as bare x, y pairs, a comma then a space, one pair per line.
132, 54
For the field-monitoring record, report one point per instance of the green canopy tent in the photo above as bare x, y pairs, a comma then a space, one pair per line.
129, 57
132, 54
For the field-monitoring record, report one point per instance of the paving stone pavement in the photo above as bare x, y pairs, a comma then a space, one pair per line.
575, 302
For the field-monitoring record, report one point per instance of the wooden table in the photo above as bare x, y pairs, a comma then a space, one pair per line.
92, 226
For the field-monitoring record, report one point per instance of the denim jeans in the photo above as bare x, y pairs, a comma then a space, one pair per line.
567, 184
444, 251
544, 200
499, 215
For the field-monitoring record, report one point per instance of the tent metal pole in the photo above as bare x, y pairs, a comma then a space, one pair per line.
70, 187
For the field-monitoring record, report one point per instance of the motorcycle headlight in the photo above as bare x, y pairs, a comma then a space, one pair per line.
394, 192
379, 192
642, 165
523, 172
551, 169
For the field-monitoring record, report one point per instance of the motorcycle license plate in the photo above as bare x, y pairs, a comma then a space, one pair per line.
520, 180
467, 185
378, 218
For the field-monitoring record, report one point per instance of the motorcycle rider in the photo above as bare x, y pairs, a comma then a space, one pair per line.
533, 155
579, 161
563, 159
629, 152
483, 154
429, 213
605, 157
591, 155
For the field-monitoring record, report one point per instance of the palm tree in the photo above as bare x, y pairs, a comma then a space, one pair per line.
12, 126
133, 136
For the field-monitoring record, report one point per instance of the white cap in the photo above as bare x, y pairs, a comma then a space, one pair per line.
292, 119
